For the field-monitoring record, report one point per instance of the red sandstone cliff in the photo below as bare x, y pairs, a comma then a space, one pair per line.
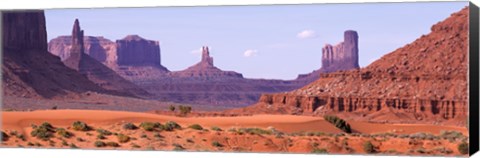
423, 81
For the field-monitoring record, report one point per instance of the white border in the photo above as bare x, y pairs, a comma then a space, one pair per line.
50, 4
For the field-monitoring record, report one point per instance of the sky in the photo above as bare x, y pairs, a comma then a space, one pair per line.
266, 41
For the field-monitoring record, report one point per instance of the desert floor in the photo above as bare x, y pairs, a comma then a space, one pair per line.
257, 133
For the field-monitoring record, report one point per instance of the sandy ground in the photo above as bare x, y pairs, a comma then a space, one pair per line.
331, 139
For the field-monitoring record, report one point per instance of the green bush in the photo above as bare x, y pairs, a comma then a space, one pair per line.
101, 136
253, 131
368, 147
463, 148
319, 150
196, 127
104, 132
217, 144
100, 144
64, 133
170, 126
43, 132
80, 126
130, 126
123, 138
339, 123
184, 110
112, 144
215, 128
150, 126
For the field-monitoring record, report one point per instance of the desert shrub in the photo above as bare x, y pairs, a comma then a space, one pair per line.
368, 147
451, 135
123, 138
319, 150
196, 127
30, 144
217, 144
150, 126
99, 144
64, 133
112, 144
135, 145
103, 132
4, 136
43, 132
463, 148
253, 131
157, 135
339, 123
80, 126
170, 126
171, 108
178, 147
100, 136
73, 146
215, 128
184, 110
129, 126
190, 140
80, 139
64, 143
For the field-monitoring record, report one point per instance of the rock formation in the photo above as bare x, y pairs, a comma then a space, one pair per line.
99, 47
133, 57
28, 70
343, 56
423, 81
205, 69
96, 71
133, 50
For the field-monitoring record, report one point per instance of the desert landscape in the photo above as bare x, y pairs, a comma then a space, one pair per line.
89, 92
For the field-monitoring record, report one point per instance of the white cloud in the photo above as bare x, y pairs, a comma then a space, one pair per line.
250, 53
306, 34
196, 51
199, 50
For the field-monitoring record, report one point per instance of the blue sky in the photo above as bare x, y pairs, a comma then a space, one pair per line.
273, 42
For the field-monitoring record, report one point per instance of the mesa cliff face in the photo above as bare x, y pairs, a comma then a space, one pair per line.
28, 70
96, 71
99, 48
422, 81
133, 50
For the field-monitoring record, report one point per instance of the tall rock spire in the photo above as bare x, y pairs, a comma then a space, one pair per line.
78, 49
206, 59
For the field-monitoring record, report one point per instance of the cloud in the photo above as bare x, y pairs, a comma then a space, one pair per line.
196, 51
305, 34
250, 53
199, 50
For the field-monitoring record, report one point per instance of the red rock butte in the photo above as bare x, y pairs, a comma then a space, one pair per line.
205, 69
